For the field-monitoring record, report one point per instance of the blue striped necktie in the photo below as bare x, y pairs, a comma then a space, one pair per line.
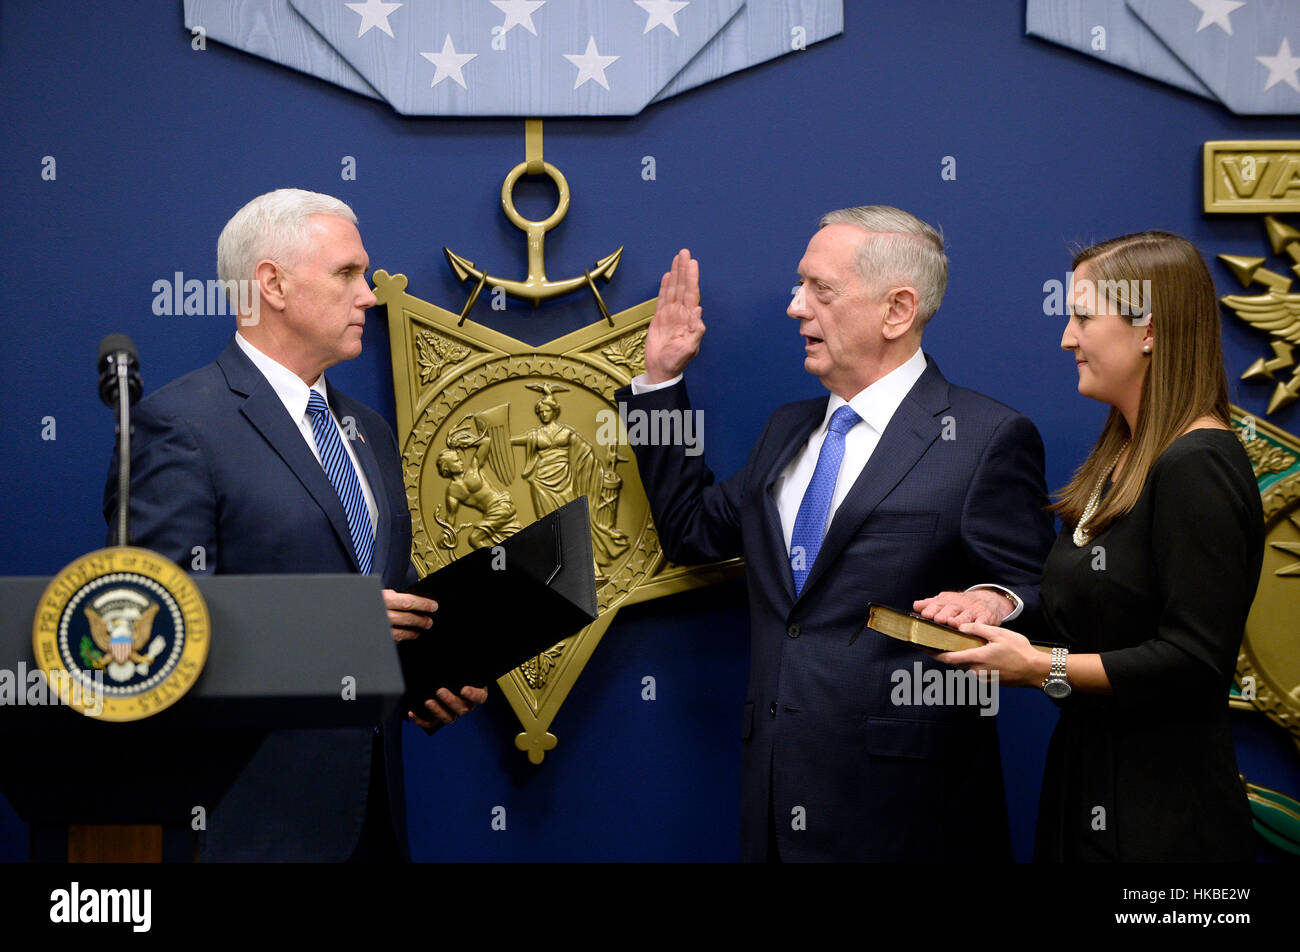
810, 523
338, 467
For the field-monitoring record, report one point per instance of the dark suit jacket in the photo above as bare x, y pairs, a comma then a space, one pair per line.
217, 462
823, 742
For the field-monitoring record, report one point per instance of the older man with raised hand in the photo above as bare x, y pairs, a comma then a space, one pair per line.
896, 485
265, 467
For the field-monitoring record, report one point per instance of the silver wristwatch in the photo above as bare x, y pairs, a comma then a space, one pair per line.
1056, 685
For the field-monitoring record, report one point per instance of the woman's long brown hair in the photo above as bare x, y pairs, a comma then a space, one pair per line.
1184, 378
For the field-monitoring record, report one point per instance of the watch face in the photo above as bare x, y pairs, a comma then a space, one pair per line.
1057, 689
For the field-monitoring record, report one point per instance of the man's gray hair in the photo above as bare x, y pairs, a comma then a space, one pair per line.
272, 226
899, 249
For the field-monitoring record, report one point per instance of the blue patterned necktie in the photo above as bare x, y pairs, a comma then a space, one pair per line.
338, 467
810, 523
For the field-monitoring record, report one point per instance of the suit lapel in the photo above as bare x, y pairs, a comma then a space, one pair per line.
265, 411
906, 439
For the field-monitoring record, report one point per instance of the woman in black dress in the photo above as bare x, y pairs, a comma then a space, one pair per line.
1151, 578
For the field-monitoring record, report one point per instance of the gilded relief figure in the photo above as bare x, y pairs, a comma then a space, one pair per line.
469, 484
560, 466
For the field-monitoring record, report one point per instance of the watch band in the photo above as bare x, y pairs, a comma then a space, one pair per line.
1056, 685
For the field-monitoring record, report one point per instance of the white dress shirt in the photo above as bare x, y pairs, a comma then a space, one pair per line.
294, 394
876, 406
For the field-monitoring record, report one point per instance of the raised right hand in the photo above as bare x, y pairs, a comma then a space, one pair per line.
673, 337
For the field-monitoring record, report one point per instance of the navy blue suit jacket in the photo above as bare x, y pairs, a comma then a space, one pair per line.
874, 780
216, 462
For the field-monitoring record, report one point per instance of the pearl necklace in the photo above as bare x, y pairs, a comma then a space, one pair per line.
1081, 535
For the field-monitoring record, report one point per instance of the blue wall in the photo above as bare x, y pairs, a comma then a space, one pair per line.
157, 145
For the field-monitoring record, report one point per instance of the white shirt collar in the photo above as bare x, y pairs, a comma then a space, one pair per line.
288, 386
877, 403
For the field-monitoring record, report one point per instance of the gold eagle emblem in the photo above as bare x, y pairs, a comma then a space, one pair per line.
1276, 312
121, 622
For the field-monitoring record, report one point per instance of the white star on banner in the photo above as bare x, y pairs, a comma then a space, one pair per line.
1216, 12
449, 63
374, 13
1282, 68
591, 65
661, 13
518, 13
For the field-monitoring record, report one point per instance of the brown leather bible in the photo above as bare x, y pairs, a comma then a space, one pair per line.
911, 627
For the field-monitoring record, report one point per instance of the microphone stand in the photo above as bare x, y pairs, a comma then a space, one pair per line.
123, 451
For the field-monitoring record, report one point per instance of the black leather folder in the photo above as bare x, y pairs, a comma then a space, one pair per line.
497, 609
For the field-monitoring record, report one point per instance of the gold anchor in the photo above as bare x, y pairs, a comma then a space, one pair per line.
536, 287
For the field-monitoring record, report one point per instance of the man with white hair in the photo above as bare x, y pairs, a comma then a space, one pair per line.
895, 486
262, 466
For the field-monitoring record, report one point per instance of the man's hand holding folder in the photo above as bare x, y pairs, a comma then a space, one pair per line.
497, 607
410, 614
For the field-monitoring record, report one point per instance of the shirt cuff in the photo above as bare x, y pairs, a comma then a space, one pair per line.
1015, 599
641, 385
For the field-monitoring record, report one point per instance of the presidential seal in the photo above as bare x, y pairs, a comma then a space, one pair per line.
121, 634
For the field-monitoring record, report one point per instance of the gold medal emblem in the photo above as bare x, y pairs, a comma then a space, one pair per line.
496, 433
1268, 667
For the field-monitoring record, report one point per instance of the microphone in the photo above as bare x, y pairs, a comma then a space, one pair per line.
117, 361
